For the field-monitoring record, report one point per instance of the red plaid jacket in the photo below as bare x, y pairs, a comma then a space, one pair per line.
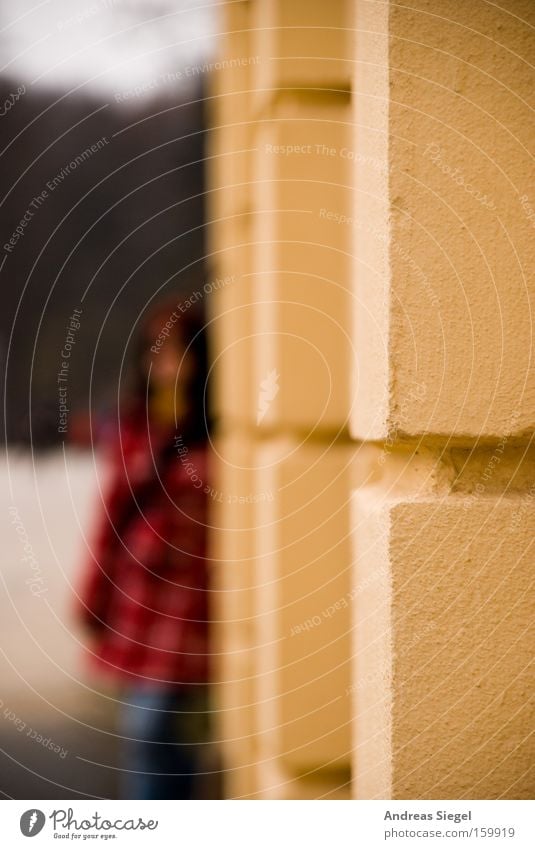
145, 589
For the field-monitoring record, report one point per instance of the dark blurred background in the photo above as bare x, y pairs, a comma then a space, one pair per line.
123, 225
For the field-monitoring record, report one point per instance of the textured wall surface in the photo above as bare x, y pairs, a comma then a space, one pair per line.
371, 213
445, 400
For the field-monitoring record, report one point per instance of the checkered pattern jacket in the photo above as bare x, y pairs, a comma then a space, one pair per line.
144, 593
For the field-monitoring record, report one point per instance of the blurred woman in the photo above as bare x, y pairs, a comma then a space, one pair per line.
145, 591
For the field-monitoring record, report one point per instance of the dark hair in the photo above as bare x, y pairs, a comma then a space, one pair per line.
189, 329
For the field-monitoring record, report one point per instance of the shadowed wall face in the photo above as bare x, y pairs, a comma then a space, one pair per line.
279, 177
102, 212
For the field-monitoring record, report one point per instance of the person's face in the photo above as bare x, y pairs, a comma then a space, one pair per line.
173, 365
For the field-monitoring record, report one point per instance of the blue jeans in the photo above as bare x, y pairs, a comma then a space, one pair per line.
163, 733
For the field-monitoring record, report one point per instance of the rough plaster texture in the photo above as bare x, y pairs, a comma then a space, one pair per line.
443, 633
444, 391
448, 115
462, 623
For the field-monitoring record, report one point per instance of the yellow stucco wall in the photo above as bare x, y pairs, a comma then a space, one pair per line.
369, 172
444, 389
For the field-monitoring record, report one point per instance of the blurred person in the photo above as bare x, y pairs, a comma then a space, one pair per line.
144, 598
